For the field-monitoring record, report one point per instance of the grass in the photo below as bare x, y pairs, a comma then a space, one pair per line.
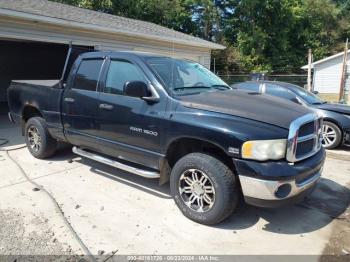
329, 97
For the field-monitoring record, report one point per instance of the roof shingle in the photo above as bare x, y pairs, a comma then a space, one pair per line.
84, 16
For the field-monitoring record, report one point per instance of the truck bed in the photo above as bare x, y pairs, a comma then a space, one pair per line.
38, 83
42, 95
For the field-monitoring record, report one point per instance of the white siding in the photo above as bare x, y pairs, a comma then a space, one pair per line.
55, 34
11, 28
202, 57
327, 75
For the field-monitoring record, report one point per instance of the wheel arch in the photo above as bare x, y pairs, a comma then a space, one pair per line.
184, 145
28, 112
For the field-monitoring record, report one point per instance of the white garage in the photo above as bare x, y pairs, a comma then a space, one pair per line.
35, 34
327, 74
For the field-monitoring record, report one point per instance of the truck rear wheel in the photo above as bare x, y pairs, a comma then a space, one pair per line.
39, 142
204, 188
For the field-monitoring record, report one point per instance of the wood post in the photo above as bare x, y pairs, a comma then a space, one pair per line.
309, 83
343, 74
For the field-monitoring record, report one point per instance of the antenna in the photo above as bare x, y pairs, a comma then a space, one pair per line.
172, 62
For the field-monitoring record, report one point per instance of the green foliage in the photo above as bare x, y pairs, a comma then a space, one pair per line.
227, 60
322, 26
260, 35
99, 5
170, 13
276, 34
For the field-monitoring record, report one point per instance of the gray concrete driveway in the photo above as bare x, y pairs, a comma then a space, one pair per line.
113, 210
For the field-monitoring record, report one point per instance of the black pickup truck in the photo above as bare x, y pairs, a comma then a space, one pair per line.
172, 119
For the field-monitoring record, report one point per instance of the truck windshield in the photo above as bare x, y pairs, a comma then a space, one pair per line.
182, 77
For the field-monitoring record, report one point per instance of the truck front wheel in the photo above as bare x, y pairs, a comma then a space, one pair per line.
39, 142
204, 188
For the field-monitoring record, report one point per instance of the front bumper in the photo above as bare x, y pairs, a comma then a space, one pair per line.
277, 183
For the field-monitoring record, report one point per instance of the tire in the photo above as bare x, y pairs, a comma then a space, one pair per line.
332, 135
42, 146
223, 183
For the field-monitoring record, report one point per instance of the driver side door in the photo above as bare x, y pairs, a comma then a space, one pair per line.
129, 127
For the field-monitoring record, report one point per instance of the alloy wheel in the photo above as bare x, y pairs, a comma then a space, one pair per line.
197, 190
34, 138
329, 135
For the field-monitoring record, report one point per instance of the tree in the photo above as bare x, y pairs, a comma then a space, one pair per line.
98, 5
260, 35
261, 32
174, 14
321, 26
344, 22
274, 35
227, 60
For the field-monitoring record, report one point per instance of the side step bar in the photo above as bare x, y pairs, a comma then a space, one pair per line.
110, 162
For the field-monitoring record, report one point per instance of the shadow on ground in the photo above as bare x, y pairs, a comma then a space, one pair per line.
9, 131
150, 186
328, 201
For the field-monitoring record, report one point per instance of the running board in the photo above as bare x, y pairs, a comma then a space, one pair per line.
110, 162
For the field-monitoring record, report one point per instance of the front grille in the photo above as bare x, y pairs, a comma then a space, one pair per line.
307, 129
304, 138
304, 148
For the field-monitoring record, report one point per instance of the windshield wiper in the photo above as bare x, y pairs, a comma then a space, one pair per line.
225, 86
199, 87
190, 87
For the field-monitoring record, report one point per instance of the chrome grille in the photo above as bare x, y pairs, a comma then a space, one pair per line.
304, 139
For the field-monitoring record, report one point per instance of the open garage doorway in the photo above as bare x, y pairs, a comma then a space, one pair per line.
29, 60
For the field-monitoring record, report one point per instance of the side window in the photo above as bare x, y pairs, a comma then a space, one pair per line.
88, 74
120, 72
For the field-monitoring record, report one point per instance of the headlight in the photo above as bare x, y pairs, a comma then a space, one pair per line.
264, 149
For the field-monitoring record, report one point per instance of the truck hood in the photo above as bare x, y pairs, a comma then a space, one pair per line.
250, 105
338, 108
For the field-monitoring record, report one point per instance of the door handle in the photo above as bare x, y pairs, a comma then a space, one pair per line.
69, 100
106, 107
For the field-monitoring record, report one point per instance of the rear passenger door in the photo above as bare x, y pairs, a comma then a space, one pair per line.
80, 102
130, 127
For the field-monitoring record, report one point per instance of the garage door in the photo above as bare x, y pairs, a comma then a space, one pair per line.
24, 60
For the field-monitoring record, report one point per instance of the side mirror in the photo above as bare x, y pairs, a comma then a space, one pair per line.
136, 89
315, 92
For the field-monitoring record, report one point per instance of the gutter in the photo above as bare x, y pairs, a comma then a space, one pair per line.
66, 23
324, 60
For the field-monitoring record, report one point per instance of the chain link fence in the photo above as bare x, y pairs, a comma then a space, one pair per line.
300, 80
